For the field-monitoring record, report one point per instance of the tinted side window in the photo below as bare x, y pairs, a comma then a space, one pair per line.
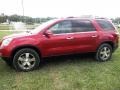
82, 26
62, 27
106, 25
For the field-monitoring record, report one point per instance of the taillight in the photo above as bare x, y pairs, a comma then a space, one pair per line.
117, 32
117, 36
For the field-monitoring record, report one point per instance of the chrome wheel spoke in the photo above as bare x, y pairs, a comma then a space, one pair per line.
103, 56
105, 53
27, 55
102, 52
26, 61
21, 59
108, 51
32, 59
105, 49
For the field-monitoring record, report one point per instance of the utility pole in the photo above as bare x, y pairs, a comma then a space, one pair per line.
22, 9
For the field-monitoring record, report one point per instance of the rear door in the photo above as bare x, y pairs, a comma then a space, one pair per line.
85, 36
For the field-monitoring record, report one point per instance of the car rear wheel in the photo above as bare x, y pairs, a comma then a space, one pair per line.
26, 60
104, 53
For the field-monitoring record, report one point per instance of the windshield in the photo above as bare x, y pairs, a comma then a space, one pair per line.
42, 26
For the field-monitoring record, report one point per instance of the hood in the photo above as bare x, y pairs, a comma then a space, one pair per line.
16, 35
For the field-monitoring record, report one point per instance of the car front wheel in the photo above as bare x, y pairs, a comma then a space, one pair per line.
26, 60
104, 53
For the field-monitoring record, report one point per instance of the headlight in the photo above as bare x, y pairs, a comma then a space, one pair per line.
6, 42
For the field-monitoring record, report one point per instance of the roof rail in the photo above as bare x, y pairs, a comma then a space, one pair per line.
71, 17
100, 18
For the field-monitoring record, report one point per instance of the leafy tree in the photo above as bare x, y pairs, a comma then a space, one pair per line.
25, 19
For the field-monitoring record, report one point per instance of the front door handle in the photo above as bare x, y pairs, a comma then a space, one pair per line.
94, 36
69, 38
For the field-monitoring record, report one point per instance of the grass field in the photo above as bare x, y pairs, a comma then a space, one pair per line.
11, 27
4, 33
76, 72
5, 27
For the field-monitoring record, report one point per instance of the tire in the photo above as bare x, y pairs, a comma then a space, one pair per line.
26, 60
104, 52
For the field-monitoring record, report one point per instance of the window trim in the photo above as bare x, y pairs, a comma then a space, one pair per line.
73, 33
71, 27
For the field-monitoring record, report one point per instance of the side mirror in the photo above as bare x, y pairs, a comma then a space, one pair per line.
48, 33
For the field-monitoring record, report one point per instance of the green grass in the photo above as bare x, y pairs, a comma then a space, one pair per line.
4, 33
65, 73
31, 26
5, 27
70, 73
10, 27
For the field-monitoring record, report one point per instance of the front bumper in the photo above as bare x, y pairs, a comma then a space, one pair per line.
5, 52
5, 58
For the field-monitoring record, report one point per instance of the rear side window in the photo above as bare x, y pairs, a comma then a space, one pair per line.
82, 26
106, 25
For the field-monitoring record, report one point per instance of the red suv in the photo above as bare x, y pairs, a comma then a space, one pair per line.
24, 51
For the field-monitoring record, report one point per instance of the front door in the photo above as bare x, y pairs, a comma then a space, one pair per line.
60, 42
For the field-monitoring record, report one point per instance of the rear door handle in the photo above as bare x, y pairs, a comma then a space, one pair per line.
94, 36
69, 38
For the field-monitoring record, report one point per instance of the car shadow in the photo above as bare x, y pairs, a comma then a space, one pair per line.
74, 58
59, 60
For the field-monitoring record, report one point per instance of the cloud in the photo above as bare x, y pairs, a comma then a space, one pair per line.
61, 8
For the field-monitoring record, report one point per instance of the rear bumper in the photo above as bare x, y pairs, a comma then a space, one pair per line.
0, 54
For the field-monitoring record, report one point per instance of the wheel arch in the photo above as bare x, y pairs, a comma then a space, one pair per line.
25, 46
111, 43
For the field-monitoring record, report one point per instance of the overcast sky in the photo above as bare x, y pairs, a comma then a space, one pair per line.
61, 8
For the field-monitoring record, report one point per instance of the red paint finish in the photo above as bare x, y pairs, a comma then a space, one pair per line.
59, 44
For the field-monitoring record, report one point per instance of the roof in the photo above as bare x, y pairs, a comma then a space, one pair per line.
86, 18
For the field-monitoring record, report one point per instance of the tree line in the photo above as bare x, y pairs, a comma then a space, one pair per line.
116, 20
30, 20
25, 19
